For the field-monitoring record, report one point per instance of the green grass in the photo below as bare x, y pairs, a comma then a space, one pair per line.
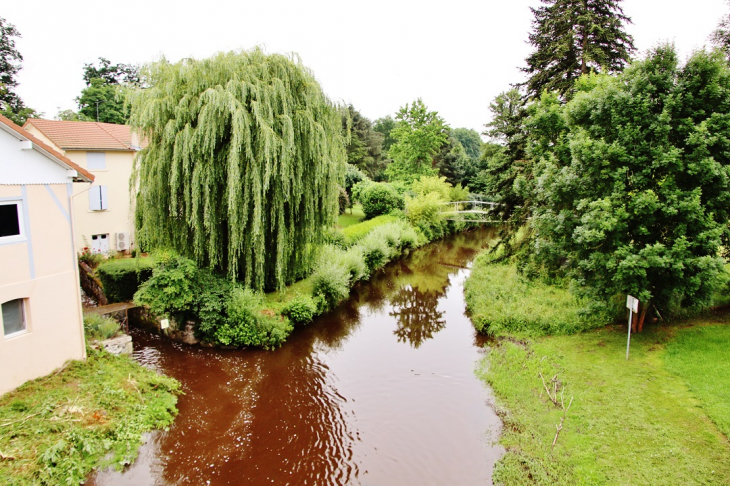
98, 328
501, 302
351, 217
56, 429
631, 422
356, 232
701, 356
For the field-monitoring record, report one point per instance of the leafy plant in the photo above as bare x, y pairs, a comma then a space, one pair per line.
97, 327
331, 281
423, 212
121, 278
173, 287
379, 198
300, 310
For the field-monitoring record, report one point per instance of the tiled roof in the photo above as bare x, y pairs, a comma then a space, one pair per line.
75, 135
48, 151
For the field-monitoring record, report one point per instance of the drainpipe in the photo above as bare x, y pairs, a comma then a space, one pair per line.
76, 262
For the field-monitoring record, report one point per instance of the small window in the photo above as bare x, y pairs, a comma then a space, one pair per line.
98, 198
11, 222
13, 317
96, 160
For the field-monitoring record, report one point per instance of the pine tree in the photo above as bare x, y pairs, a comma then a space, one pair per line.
243, 165
11, 105
572, 38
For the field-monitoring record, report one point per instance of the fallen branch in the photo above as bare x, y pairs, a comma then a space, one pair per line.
547, 390
562, 419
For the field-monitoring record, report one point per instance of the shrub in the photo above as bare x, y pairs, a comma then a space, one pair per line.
98, 327
335, 237
351, 259
173, 288
375, 251
358, 188
380, 198
331, 281
423, 213
459, 193
246, 325
300, 310
428, 184
343, 200
90, 258
211, 303
122, 278
353, 175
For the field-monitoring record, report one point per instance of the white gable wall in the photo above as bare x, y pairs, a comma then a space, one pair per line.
27, 166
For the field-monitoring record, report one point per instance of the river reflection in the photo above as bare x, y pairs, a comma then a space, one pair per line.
381, 391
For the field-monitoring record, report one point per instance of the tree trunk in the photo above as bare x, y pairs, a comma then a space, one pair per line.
644, 308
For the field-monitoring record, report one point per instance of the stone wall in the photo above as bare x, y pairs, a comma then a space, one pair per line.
91, 285
142, 317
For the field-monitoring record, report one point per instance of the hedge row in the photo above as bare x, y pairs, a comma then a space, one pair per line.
121, 278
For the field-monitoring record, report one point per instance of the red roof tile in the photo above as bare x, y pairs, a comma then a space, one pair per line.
52, 153
75, 135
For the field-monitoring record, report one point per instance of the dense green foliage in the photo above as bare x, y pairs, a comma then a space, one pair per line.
300, 310
385, 126
379, 198
357, 231
418, 136
246, 325
98, 327
503, 303
11, 105
633, 193
90, 414
699, 355
365, 148
721, 36
631, 421
575, 37
244, 158
103, 98
121, 278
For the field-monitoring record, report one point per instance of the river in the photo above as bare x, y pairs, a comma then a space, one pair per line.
381, 391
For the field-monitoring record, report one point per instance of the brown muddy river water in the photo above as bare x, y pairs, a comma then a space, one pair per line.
380, 392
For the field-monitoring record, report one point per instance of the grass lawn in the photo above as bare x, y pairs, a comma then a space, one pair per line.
648, 420
56, 429
351, 216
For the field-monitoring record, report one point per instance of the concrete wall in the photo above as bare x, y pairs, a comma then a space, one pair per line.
41, 269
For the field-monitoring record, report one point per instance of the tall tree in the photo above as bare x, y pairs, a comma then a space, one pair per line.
385, 126
103, 98
419, 135
365, 149
720, 37
572, 38
243, 165
10, 64
638, 201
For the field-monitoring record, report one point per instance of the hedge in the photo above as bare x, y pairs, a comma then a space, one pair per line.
121, 278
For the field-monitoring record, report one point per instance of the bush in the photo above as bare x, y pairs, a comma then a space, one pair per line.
246, 325
343, 200
98, 327
423, 213
358, 188
300, 310
331, 281
380, 198
353, 175
428, 184
173, 288
375, 251
122, 278
90, 258
459, 193
351, 259
335, 237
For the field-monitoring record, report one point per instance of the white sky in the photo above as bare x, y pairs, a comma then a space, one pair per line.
377, 55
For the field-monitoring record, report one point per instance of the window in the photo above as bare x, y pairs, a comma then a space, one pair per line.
11, 221
13, 317
96, 160
98, 198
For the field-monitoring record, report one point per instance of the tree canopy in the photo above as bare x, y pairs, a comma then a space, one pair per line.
103, 98
575, 37
418, 136
11, 105
633, 181
365, 149
244, 159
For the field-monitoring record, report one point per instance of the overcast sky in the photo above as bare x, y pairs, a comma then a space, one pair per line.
378, 55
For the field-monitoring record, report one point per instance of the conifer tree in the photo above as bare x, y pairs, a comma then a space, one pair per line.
243, 162
575, 37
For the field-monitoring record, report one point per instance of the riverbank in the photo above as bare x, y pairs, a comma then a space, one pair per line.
89, 414
662, 417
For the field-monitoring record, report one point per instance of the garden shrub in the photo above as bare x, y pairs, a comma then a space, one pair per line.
459, 193
375, 251
423, 212
247, 325
98, 327
173, 288
358, 188
380, 198
331, 281
211, 303
353, 175
122, 278
428, 184
336, 237
300, 310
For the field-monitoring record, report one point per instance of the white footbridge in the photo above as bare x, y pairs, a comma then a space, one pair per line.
475, 210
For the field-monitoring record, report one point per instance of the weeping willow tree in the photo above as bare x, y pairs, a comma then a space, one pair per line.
242, 165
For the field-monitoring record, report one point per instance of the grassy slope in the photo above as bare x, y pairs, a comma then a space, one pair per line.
351, 216
56, 429
631, 422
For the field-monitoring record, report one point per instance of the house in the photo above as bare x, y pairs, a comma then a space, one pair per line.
104, 215
41, 323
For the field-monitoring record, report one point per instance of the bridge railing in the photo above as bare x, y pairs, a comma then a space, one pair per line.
474, 210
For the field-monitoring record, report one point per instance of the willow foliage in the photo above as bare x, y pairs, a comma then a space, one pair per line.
243, 161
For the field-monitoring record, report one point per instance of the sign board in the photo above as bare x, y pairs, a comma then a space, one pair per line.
632, 303
164, 324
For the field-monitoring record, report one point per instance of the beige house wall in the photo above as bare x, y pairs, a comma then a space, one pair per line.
41, 270
119, 218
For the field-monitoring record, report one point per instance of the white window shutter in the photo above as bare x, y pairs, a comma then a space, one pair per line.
95, 198
96, 160
104, 197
